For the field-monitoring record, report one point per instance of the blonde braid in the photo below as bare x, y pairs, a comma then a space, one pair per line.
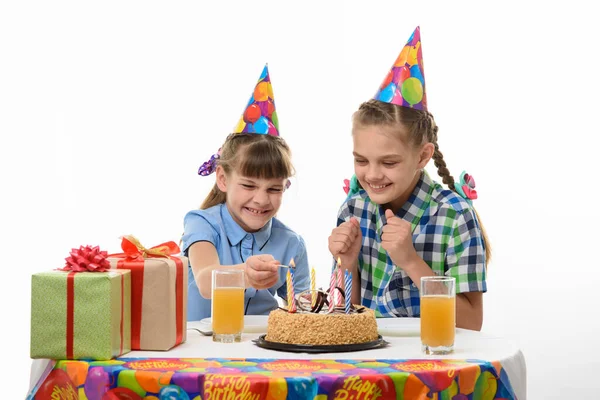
442, 169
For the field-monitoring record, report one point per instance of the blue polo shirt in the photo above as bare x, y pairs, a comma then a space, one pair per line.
234, 245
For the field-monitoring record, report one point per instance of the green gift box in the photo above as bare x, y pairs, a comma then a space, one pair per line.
80, 315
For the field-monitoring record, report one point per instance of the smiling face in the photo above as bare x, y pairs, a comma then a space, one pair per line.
387, 167
252, 202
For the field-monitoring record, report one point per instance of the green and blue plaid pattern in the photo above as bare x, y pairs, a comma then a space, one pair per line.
446, 235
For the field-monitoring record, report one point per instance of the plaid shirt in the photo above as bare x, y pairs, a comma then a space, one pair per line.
446, 235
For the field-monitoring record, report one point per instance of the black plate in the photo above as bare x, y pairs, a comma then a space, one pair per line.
307, 348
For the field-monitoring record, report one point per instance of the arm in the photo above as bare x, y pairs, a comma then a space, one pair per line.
469, 310
465, 259
260, 271
204, 259
200, 241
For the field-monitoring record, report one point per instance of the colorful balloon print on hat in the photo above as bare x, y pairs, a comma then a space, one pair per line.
404, 84
259, 117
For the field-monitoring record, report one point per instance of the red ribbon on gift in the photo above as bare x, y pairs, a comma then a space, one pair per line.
85, 259
134, 250
134, 254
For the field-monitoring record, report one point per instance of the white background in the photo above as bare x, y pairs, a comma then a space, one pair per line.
108, 109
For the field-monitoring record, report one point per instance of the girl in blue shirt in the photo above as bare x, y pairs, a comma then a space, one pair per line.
235, 226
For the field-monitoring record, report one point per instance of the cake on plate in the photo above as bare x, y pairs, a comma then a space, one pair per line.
316, 325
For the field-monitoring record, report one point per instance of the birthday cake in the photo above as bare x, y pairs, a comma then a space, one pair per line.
313, 323
309, 328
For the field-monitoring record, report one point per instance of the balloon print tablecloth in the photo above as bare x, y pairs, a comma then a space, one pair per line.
258, 379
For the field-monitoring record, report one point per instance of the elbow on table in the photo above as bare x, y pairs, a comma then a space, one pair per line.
469, 310
473, 323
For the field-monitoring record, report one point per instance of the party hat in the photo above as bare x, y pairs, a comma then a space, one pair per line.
404, 85
260, 115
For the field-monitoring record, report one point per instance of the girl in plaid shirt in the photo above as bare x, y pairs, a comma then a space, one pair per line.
397, 224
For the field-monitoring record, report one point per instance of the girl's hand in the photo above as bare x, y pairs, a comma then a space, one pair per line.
262, 271
345, 242
396, 239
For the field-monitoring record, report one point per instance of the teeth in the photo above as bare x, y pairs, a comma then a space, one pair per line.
255, 211
377, 187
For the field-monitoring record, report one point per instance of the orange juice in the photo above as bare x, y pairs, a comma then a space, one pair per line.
227, 310
438, 320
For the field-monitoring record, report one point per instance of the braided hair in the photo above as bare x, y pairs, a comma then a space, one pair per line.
421, 128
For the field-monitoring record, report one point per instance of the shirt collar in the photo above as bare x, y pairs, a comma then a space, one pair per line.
418, 201
412, 210
235, 233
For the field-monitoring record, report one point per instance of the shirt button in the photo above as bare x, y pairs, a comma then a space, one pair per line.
247, 246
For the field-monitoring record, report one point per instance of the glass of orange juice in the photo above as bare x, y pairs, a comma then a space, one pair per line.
438, 314
227, 305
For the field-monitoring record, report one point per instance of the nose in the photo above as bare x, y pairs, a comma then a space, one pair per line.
261, 197
374, 173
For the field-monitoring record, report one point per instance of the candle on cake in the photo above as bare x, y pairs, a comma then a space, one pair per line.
291, 298
332, 281
313, 287
348, 290
338, 295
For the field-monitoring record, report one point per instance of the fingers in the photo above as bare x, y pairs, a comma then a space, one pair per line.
259, 263
350, 229
341, 239
262, 274
395, 228
393, 220
394, 232
262, 279
356, 228
389, 214
393, 236
265, 257
338, 247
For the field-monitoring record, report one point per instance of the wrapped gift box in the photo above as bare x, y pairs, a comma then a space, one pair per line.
159, 280
80, 315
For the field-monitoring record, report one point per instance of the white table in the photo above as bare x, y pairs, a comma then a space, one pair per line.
404, 345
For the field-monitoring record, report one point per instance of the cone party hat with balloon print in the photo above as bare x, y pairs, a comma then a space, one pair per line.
404, 84
259, 117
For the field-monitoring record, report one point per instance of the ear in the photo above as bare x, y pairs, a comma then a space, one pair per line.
221, 179
425, 154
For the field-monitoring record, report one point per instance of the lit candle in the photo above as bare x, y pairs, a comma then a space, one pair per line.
340, 284
332, 289
313, 287
348, 278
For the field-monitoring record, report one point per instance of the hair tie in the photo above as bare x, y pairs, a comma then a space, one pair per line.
351, 186
466, 187
209, 166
